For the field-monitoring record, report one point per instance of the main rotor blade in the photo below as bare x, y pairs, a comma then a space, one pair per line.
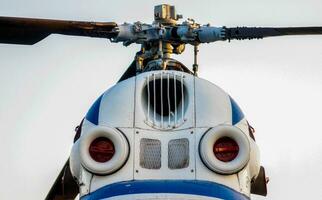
65, 187
242, 33
30, 31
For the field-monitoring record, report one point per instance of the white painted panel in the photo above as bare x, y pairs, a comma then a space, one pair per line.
244, 180
165, 173
212, 104
117, 105
243, 125
254, 161
87, 125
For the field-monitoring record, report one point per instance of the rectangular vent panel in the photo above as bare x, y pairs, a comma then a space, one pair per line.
150, 153
178, 153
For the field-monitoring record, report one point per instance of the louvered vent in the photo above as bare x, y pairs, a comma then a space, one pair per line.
178, 153
165, 100
150, 153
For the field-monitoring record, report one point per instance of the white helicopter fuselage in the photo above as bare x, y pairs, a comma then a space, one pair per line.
164, 125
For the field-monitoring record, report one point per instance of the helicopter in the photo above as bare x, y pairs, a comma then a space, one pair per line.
154, 57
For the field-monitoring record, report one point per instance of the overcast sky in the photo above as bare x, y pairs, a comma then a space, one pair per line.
47, 88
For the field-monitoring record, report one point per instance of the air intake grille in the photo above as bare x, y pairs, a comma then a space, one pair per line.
150, 153
165, 100
178, 154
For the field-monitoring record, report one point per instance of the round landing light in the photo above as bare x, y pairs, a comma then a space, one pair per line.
225, 149
102, 149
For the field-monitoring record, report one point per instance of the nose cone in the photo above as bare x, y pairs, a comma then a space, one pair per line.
164, 115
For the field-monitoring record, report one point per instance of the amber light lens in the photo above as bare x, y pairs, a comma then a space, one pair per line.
102, 149
226, 149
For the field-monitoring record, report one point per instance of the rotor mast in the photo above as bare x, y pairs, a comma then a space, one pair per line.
160, 51
165, 15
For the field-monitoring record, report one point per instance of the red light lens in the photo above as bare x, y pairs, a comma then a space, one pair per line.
102, 149
226, 149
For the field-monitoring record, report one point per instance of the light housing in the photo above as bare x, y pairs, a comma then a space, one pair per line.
218, 149
103, 150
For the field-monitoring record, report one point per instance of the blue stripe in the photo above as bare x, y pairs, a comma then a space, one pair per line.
192, 187
92, 114
237, 114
